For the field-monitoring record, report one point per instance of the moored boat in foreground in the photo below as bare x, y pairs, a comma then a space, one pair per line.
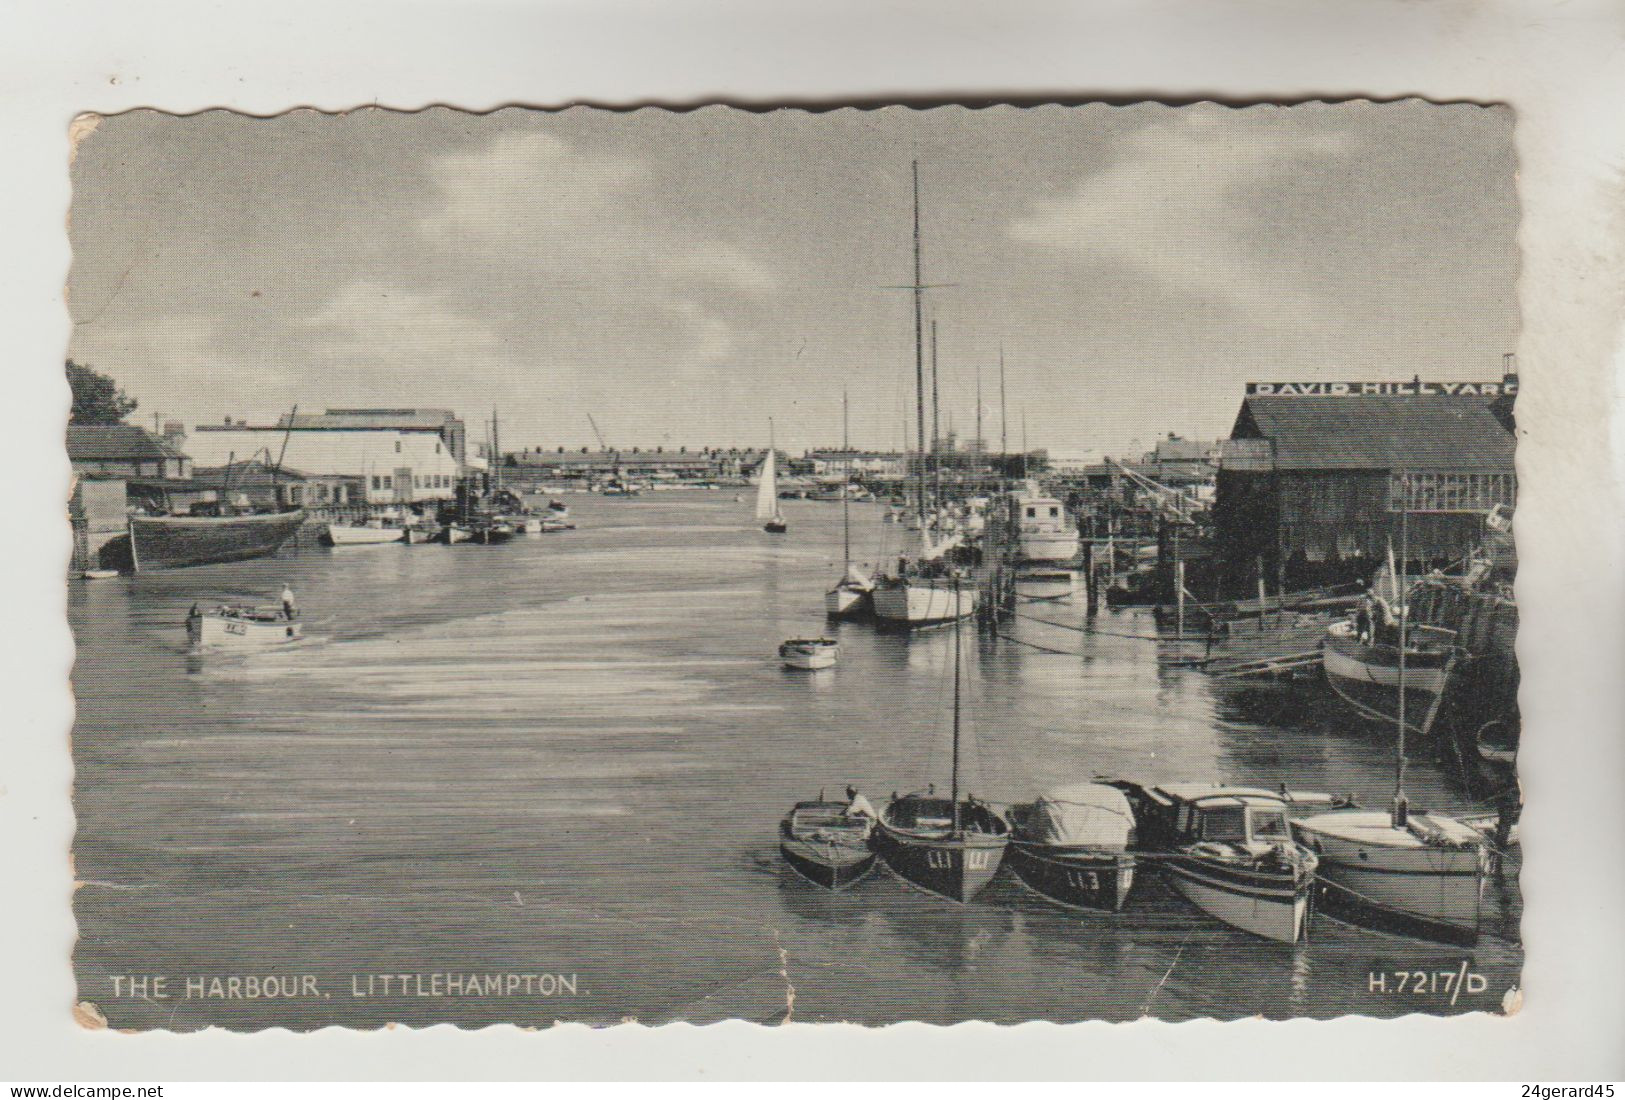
1422, 877
950, 846
1072, 846
1230, 852
826, 843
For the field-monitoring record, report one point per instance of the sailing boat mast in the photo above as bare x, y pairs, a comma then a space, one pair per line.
919, 355
954, 778
936, 426
846, 491
496, 452
1400, 807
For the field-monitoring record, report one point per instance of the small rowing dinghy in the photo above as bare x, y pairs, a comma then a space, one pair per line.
99, 574
231, 627
828, 842
810, 653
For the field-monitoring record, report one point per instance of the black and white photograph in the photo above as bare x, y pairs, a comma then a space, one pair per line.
865, 566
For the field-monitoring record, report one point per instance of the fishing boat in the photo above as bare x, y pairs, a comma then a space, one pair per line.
767, 490
1230, 852
923, 590
1417, 873
1040, 582
369, 534
173, 542
810, 653
421, 531
454, 533
1072, 846
950, 846
1046, 532
852, 595
1362, 667
826, 843
232, 627
489, 532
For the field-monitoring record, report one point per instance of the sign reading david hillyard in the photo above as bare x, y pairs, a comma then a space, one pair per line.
594, 566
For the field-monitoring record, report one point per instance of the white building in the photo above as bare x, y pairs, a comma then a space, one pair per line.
396, 465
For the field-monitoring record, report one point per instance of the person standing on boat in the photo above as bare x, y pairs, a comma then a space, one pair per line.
290, 610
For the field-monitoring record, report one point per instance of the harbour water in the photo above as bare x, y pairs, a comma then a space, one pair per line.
564, 759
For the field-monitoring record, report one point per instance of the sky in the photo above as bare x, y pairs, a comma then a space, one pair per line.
685, 277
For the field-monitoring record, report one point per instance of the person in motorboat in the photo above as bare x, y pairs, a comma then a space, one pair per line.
857, 805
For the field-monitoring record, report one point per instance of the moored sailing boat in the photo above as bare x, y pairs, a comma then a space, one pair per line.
852, 594
950, 846
1421, 874
922, 591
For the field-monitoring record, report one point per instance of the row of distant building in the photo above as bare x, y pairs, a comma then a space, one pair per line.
1314, 469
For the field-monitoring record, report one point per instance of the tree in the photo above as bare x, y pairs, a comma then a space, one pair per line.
96, 397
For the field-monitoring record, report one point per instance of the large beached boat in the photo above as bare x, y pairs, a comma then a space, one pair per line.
171, 542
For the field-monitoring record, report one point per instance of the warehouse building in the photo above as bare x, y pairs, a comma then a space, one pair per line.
1315, 477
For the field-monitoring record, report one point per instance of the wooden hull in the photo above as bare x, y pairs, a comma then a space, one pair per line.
1274, 905
1374, 874
1367, 676
218, 631
842, 602
1047, 586
174, 542
956, 867
1049, 545
834, 866
340, 535
821, 657
921, 603
1075, 878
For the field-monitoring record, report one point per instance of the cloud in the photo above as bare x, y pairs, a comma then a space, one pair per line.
377, 326
1188, 203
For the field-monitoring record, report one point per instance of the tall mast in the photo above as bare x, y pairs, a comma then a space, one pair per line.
846, 485
1404, 640
954, 779
496, 450
919, 353
980, 447
936, 426
1004, 417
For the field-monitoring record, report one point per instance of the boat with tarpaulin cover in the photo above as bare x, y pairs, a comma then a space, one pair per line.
1072, 846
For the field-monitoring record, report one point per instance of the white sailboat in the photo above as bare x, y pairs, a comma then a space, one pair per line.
852, 594
922, 591
1420, 874
767, 490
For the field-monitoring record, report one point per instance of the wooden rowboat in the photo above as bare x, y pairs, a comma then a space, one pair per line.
826, 845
